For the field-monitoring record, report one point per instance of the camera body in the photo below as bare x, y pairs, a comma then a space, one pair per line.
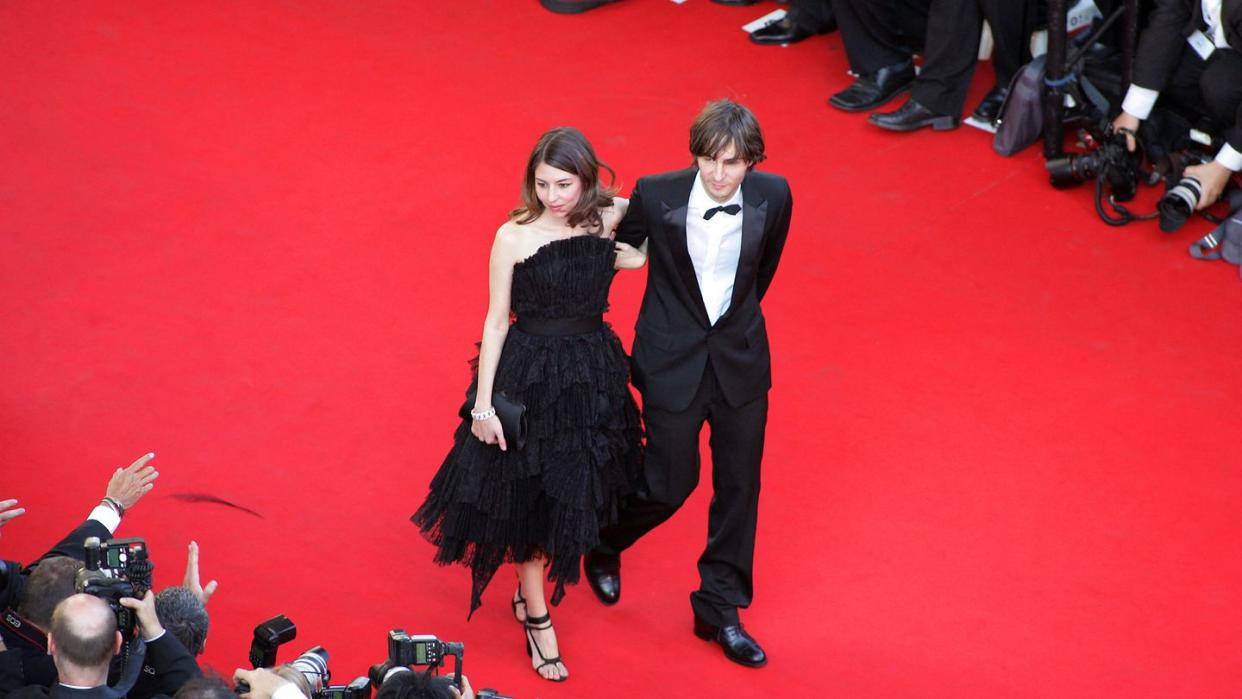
1111, 162
114, 569
404, 649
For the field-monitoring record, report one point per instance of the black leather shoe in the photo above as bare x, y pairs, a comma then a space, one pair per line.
912, 116
872, 90
782, 31
989, 109
603, 574
737, 644
572, 7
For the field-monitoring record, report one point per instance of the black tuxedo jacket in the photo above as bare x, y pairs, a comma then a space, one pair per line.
673, 337
1162, 40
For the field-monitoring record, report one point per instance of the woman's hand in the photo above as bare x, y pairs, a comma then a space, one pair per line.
629, 257
489, 431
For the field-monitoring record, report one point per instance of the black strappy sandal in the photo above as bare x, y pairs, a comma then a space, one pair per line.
541, 623
516, 601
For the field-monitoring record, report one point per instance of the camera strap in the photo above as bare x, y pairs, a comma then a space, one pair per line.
20, 627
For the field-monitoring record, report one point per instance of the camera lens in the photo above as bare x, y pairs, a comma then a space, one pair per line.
313, 664
1178, 204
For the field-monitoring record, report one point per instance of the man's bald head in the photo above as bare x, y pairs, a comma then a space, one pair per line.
84, 631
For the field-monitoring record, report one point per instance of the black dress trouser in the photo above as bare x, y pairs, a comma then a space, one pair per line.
814, 16
879, 33
1211, 88
670, 475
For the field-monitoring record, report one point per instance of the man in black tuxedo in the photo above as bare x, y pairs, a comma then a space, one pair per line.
714, 234
1189, 57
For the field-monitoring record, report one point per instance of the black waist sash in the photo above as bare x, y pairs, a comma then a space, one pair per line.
560, 326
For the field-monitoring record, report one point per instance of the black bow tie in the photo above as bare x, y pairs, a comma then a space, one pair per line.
731, 209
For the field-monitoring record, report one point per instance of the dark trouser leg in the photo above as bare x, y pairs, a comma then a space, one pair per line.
1221, 87
1011, 36
869, 30
953, 30
814, 16
726, 568
670, 471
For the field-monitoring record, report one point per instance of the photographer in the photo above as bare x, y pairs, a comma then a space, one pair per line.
169, 661
1188, 57
82, 641
27, 599
264, 683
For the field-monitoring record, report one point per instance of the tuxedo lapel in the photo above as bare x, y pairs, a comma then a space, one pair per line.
674, 209
754, 217
675, 226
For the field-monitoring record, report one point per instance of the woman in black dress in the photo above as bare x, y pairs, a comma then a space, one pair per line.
542, 506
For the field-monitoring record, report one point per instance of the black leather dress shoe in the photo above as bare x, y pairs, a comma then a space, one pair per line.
603, 574
737, 644
782, 31
911, 116
573, 7
989, 109
872, 90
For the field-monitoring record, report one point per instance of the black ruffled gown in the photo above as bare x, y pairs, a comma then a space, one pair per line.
582, 454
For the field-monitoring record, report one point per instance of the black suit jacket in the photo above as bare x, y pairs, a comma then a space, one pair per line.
1162, 40
673, 337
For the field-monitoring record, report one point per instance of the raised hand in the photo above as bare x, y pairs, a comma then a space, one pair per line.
192, 582
129, 484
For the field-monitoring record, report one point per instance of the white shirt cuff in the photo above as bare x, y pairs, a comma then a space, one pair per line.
1230, 158
288, 691
156, 637
106, 516
1139, 101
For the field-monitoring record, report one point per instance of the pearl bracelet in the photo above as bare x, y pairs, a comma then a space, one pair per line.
481, 415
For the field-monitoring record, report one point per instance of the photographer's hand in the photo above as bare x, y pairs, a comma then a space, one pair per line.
467, 692
1128, 124
148, 621
8, 511
192, 582
263, 683
129, 484
1212, 178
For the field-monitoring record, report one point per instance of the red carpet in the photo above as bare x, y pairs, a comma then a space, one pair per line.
252, 236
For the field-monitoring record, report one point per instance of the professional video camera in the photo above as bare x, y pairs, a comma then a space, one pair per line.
114, 569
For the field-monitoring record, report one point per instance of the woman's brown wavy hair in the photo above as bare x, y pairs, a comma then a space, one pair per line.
565, 148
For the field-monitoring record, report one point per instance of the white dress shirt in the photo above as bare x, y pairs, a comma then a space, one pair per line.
715, 247
1140, 100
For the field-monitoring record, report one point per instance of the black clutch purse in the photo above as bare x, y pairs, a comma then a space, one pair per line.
512, 416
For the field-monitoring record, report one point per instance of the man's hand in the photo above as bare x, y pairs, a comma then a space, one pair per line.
192, 582
129, 484
148, 621
9, 510
263, 683
467, 692
629, 257
1212, 178
1128, 124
